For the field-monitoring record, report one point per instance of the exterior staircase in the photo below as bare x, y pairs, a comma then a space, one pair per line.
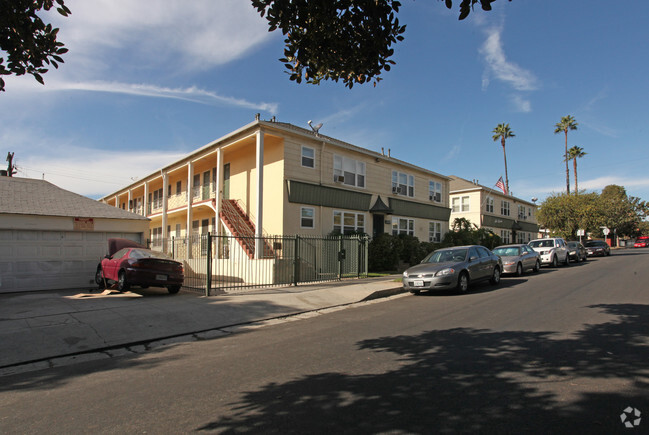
242, 228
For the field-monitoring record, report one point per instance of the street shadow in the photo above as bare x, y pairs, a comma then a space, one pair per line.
466, 380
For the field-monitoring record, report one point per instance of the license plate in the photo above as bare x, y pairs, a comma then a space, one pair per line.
418, 283
161, 277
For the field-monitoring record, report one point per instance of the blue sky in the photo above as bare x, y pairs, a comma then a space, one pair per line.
147, 82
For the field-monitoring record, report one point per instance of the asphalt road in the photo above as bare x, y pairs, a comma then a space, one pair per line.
562, 351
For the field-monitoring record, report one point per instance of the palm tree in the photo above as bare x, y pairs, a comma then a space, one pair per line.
502, 132
575, 153
566, 123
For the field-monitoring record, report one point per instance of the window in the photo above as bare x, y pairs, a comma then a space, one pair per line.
169, 190
504, 208
157, 199
306, 217
403, 226
177, 230
529, 212
434, 231
460, 204
489, 206
520, 237
179, 187
156, 237
349, 171
308, 157
435, 191
349, 223
505, 236
403, 184
521, 212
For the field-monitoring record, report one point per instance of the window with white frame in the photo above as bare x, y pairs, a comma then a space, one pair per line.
434, 231
520, 237
529, 212
349, 222
308, 157
403, 184
504, 208
522, 214
489, 205
455, 204
349, 171
307, 217
435, 191
505, 236
465, 203
156, 236
403, 226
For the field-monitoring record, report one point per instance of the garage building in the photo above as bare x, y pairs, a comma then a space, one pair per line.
52, 239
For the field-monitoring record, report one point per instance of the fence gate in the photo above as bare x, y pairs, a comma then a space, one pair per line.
215, 263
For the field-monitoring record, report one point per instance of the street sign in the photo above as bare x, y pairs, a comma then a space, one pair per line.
606, 231
581, 232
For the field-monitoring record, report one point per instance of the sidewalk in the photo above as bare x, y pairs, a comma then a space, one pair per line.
37, 327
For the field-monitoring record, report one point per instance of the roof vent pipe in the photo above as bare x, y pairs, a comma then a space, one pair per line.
257, 116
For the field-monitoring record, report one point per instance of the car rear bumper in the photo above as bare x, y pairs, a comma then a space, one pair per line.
152, 278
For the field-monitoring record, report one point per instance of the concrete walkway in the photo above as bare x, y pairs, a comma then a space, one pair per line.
70, 325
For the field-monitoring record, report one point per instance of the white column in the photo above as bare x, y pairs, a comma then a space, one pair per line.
260, 193
165, 192
130, 200
190, 176
218, 187
145, 208
117, 201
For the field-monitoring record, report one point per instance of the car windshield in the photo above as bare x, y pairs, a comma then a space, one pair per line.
446, 256
146, 253
508, 252
542, 243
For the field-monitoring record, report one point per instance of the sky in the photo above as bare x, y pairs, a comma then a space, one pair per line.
145, 83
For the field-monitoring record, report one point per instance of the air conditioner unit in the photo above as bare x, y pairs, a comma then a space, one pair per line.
339, 178
396, 189
430, 197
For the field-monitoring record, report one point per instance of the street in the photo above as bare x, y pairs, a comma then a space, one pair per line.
562, 351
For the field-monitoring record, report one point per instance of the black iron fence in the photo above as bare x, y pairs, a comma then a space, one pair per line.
215, 263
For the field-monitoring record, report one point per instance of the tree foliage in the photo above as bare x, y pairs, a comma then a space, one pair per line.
348, 40
463, 232
30, 44
564, 214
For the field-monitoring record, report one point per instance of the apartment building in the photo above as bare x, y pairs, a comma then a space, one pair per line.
279, 179
511, 218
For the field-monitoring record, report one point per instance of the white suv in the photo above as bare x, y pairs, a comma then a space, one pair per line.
552, 251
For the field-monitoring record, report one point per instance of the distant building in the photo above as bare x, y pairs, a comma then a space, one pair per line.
511, 218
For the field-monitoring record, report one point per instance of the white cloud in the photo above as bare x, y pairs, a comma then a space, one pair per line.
171, 34
521, 104
502, 69
192, 94
72, 169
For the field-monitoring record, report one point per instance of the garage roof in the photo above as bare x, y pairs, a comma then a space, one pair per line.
38, 197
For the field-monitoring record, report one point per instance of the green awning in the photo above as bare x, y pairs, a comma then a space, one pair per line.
314, 194
509, 224
401, 207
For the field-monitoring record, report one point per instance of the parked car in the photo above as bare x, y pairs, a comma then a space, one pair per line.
641, 242
577, 252
129, 263
597, 247
518, 258
552, 251
453, 268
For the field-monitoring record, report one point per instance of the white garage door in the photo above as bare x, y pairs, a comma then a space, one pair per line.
51, 260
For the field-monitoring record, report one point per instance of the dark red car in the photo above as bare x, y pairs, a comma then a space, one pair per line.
641, 242
129, 263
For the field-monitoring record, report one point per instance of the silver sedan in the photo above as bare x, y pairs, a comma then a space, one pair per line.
453, 268
518, 259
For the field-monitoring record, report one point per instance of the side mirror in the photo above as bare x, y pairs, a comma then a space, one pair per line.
107, 256
473, 258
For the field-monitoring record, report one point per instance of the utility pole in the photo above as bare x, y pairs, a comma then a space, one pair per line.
11, 168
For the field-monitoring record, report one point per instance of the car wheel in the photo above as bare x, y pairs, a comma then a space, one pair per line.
567, 262
122, 284
585, 258
463, 283
99, 279
537, 266
519, 269
608, 253
173, 289
555, 262
495, 278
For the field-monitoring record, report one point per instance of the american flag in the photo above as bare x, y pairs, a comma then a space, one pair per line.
501, 185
